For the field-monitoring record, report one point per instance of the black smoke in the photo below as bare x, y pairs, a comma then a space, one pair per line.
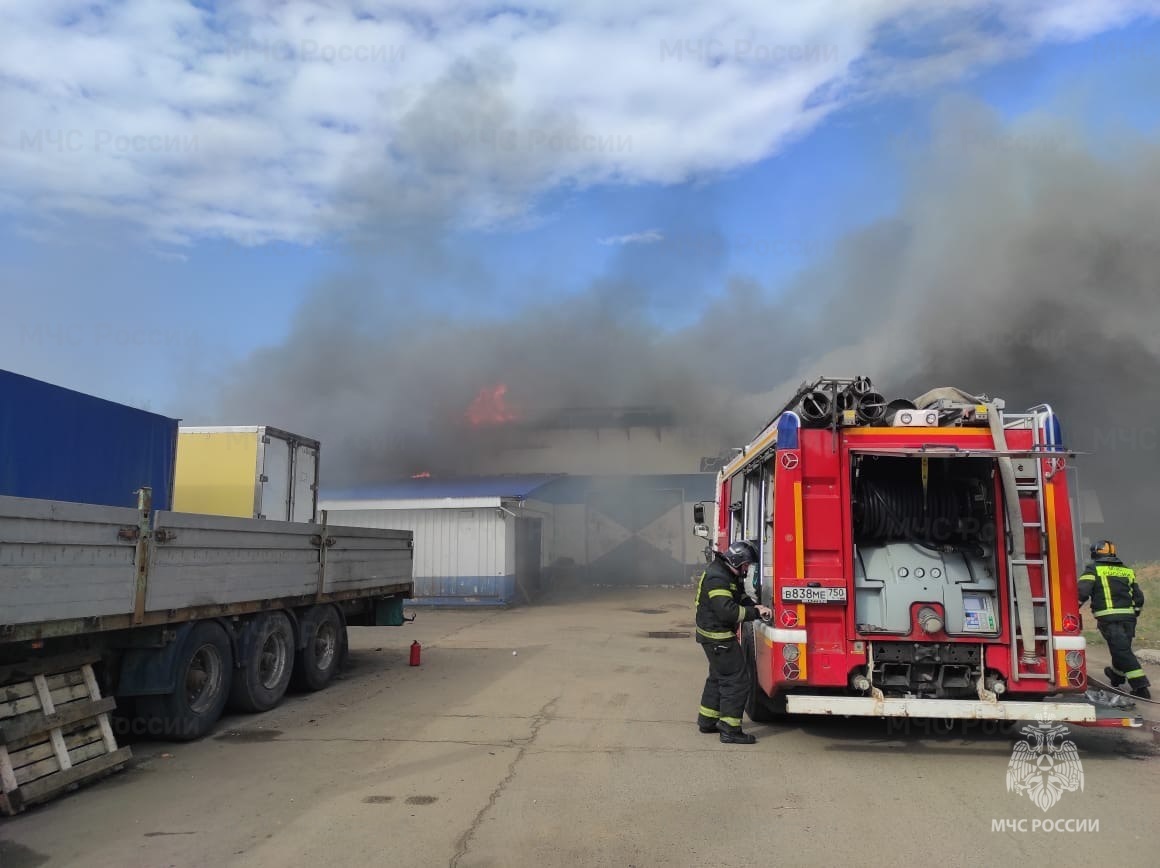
1023, 265
1020, 263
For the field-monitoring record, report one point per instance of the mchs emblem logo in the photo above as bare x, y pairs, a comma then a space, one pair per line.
1044, 767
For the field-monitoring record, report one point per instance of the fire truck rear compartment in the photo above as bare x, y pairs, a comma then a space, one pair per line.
925, 566
946, 670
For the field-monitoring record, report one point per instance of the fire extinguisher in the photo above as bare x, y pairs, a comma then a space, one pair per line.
415, 649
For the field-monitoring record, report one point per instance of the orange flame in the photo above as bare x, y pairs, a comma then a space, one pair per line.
490, 407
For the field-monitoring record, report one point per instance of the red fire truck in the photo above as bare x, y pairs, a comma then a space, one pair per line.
919, 558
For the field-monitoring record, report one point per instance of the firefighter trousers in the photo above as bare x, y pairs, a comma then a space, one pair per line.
1119, 636
726, 688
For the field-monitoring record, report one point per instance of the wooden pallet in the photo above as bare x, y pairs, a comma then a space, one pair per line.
54, 730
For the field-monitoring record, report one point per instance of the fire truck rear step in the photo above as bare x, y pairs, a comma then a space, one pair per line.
950, 709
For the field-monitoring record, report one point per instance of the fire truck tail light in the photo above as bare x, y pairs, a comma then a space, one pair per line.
1074, 659
790, 653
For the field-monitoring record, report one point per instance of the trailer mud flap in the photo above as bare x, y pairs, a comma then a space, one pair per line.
152, 671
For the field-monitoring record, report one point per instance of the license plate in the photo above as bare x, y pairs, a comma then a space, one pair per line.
813, 595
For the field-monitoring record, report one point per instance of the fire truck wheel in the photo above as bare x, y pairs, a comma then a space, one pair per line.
759, 707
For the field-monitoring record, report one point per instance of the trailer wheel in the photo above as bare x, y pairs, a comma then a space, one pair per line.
261, 683
323, 648
759, 707
204, 672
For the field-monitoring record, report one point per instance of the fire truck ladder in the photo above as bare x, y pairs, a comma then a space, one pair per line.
1029, 482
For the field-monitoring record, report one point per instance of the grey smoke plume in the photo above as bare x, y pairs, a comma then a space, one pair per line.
1019, 264
391, 395
388, 385
1023, 266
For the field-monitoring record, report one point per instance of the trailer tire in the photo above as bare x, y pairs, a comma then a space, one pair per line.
759, 707
323, 639
205, 667
261, 682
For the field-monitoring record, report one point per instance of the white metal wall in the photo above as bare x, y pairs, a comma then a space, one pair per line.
448, 542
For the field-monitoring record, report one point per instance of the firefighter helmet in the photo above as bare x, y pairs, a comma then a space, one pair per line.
740, 554
1104, 548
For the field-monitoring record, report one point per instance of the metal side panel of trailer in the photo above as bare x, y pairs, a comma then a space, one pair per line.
67, 569
216, 560
361, 558
63, 560
205, 560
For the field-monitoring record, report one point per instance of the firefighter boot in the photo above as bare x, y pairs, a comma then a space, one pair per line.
1142, 693
1114, 677
707, 719
734, 735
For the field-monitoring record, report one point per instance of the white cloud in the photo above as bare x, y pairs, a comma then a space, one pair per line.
293, 121
649, 236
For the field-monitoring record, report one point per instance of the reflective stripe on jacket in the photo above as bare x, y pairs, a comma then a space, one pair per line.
721, 604
1112, 588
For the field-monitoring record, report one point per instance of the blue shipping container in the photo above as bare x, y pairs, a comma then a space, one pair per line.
58, 444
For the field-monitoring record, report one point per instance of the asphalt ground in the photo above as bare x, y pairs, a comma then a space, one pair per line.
563, 734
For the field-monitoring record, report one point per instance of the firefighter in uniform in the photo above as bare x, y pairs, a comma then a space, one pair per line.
722, 606
1116, 601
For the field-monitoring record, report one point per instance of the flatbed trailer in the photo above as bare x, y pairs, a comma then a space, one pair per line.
176, 615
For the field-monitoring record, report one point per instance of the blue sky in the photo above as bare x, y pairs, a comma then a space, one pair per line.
146, 280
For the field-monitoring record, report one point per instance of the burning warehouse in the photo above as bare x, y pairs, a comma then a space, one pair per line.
583, 497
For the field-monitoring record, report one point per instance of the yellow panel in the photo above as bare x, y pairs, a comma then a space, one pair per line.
920, 431
799, 532
216, 473
1052, 540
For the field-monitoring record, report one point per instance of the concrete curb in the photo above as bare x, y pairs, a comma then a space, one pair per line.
1149, 655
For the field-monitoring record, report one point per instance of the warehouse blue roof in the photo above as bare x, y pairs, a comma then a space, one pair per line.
514, 486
